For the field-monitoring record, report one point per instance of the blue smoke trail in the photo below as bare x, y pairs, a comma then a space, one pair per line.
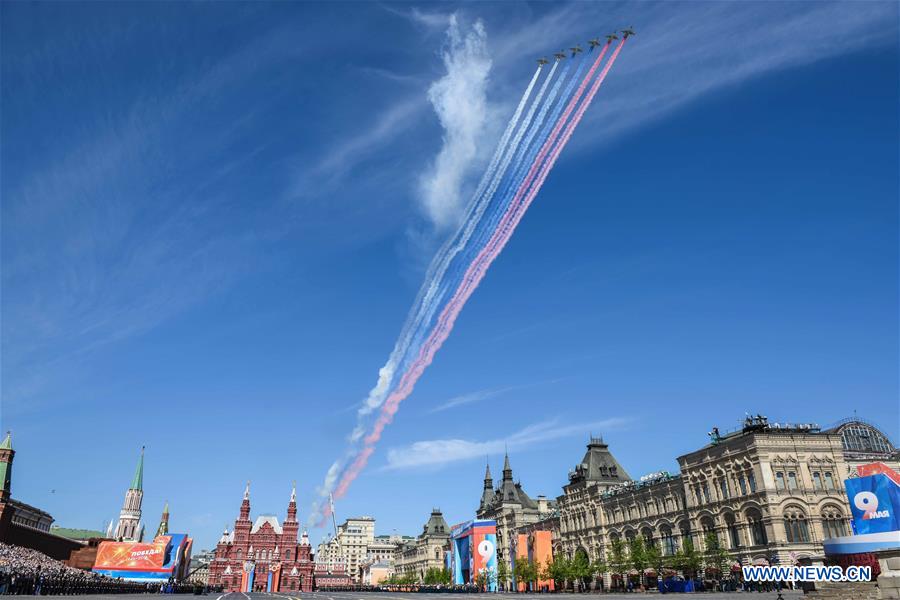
461, 241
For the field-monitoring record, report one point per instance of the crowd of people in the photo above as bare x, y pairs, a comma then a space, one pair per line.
24, 571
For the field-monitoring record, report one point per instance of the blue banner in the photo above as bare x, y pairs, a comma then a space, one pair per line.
875, 504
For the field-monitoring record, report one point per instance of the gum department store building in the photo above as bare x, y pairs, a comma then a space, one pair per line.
770, 492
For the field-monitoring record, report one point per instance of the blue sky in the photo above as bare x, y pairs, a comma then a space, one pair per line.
215, 217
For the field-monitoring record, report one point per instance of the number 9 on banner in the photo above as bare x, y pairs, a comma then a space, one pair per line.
486, 549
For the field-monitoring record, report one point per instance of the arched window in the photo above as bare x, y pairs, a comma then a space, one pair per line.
668, 540
796, 530
239, 554
734, 536
757, 527
647, 534
833, 522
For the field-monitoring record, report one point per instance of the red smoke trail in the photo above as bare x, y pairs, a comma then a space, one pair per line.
479, 267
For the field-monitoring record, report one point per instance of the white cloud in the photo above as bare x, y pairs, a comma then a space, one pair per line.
485, 394
459, 98
437, 453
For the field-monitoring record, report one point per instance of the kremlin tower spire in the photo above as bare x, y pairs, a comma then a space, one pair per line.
129, 528
6, 460
163, 528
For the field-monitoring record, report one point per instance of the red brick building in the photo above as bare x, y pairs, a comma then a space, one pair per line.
246, 556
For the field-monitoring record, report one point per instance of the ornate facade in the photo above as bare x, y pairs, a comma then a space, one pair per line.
263, 545
770, 492
511, 507
425, 552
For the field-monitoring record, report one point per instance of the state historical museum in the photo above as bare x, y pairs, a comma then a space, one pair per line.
263, 556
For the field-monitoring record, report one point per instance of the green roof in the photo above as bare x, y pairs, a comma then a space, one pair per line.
7, 442
138, 482
76, 534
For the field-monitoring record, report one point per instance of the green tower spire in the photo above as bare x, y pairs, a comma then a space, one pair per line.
138, 482
7, 442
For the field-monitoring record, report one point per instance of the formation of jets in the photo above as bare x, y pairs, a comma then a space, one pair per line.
626, 33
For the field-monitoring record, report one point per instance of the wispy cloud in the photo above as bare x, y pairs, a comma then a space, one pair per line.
685, 51
437, 453
460, 100
486, 394
342, 158
133, 244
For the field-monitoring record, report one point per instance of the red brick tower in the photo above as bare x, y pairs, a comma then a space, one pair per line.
242, 524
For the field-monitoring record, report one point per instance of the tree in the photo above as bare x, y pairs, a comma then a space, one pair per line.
616, 559
599, 566
558, 570
686, 559
580, 568
654, 558
716, 557
525, 572
437, 576
503, 573
637, 556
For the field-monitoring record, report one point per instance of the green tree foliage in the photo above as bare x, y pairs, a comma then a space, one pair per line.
637, 556
436, 576
580, 569
525, 571
687, 559
616, 558
653, 556
503, 573
715, 557
558, 570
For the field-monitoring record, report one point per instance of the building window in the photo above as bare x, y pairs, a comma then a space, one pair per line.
834, 528
734, 535
723, 488
792, 480
833, 523
705, 488
668, 542
751, 479
795, 528
779, 480
742, 484
817, 480
829, 480
758, 531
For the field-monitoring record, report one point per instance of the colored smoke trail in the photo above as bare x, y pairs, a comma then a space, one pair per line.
514, 210
439, 265
428, 299
441, 282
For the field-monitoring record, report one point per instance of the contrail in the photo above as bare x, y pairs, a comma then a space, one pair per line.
425, 304
542, 162
431, 302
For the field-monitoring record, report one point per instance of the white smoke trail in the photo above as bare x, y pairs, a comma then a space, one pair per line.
425, 303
